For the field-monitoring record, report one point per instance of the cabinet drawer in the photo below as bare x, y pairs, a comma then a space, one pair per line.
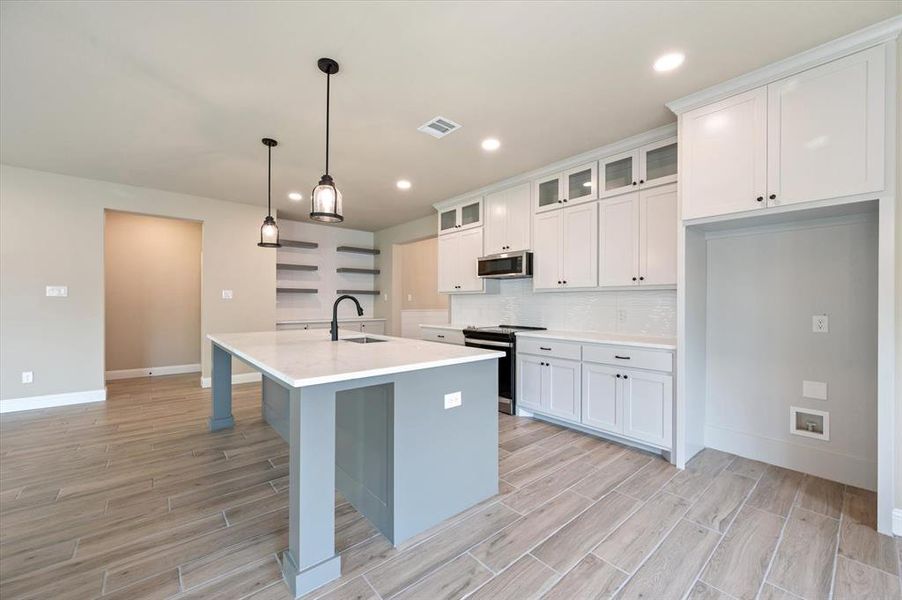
655, 360
549, 348
445, 336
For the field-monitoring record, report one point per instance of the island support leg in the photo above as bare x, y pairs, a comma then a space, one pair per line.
222, 390
310, 560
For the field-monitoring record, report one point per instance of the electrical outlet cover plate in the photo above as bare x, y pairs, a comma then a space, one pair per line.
226, 294
814, 389
820, 324
27, 376
452, 400
57, 291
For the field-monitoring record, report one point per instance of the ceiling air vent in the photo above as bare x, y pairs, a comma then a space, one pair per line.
439, 127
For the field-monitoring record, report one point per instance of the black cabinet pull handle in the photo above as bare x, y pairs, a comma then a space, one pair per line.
544, 348
565, 199
760, 198
440, 336
621, 357
773, 196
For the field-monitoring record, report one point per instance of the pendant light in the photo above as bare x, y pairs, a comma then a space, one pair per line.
326, 199
269, 232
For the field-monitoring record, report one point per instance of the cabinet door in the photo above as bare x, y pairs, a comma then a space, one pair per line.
548, 193
618, 244
519, 218
469, 250
546, 261
658, 163
601, 405
658, 235
826, 130
562, 388
724, 156
580, 184
496, 222
529, 381
579, 246
447, 220
619, 174
447, 263
648, 407
470, 214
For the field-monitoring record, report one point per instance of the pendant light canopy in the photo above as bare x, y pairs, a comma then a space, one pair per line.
269, 232
326, 199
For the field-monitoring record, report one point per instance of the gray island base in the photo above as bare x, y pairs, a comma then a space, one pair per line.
372, 424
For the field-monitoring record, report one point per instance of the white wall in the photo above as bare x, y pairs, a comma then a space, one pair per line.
51, 233
764, 285
646, 312
325, 279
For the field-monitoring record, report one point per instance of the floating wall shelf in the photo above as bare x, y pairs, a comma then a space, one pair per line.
356, 250
296, 290
292, 267
359, 292
298, 244
354, 270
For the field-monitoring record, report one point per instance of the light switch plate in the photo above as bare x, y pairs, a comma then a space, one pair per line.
814, 389
57, 291
820, 324
226, 294
27, 376
452, 400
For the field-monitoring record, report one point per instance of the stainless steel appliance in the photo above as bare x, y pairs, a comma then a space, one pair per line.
502, 338
509, 265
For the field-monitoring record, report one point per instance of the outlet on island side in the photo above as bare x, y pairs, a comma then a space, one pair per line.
820, 323
452, 400
27, 376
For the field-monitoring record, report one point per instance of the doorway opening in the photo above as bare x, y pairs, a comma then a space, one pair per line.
415, 287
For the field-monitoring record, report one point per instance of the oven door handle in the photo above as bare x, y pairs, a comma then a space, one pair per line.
481, 343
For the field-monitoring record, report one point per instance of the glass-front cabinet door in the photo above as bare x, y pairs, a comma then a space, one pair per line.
471, 214
548, 193
658, 163
619, 174
447, 220
581, 184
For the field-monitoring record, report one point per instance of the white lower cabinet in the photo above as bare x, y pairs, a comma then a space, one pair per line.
647, 400
549, 385
602, 405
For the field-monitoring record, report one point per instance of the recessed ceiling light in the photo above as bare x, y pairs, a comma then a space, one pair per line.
490, 144
669, 61
296, 196
403, 184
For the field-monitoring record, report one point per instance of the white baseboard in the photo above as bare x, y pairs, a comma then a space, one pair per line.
51, 400
897, 521
239, 378
152, 371
846, 469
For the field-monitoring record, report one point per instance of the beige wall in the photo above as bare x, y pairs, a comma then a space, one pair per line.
152, 282
51, 233
898, 461
385, 241
419, 275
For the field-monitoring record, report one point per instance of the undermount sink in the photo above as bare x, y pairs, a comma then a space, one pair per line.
364, 340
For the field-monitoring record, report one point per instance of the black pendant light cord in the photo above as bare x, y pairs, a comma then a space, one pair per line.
269, 180
328, 79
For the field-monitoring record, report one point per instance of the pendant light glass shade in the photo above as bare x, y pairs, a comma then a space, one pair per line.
325, 201
269, 231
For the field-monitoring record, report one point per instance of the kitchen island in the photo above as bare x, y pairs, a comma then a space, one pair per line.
406, 430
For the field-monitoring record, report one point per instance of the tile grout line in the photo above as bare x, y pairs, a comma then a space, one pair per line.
490, 569
773, 556
842, 511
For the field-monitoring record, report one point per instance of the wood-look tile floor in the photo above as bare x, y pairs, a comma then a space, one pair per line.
135, 499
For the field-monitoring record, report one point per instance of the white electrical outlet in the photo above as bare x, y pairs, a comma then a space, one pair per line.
814, 389
820, 324
57, 291
410, 297
27, 376
226, 294
452, 400
621, 315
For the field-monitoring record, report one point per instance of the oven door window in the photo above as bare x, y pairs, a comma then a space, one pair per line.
501, 266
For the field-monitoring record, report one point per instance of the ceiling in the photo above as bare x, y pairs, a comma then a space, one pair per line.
176, 95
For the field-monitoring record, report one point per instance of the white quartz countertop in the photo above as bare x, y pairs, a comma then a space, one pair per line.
309, 357
448, 326
329, 320
598, 337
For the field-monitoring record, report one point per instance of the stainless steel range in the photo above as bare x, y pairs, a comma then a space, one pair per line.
504, 339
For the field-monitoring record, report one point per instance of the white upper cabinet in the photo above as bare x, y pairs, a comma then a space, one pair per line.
457, 257
508, 217
563, 248
573, 186
826, 129
816, 135
619, 174
466, 215
647, 166
637, 238
724, 148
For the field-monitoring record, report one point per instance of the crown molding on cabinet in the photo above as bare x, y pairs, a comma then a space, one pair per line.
630, 143
878, 33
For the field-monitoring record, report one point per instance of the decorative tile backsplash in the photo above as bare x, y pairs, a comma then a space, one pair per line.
645, 312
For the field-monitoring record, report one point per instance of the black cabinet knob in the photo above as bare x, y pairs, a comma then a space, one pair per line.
760, 198
565, 199
641, 181
618, 375
559, 282
625, 377
565, 282
773, 196
642, 279
560, 201
634, 183
634, 279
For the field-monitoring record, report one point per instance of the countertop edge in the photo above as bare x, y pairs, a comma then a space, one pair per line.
587, 339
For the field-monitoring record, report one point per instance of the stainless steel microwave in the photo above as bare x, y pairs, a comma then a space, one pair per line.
509, 265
